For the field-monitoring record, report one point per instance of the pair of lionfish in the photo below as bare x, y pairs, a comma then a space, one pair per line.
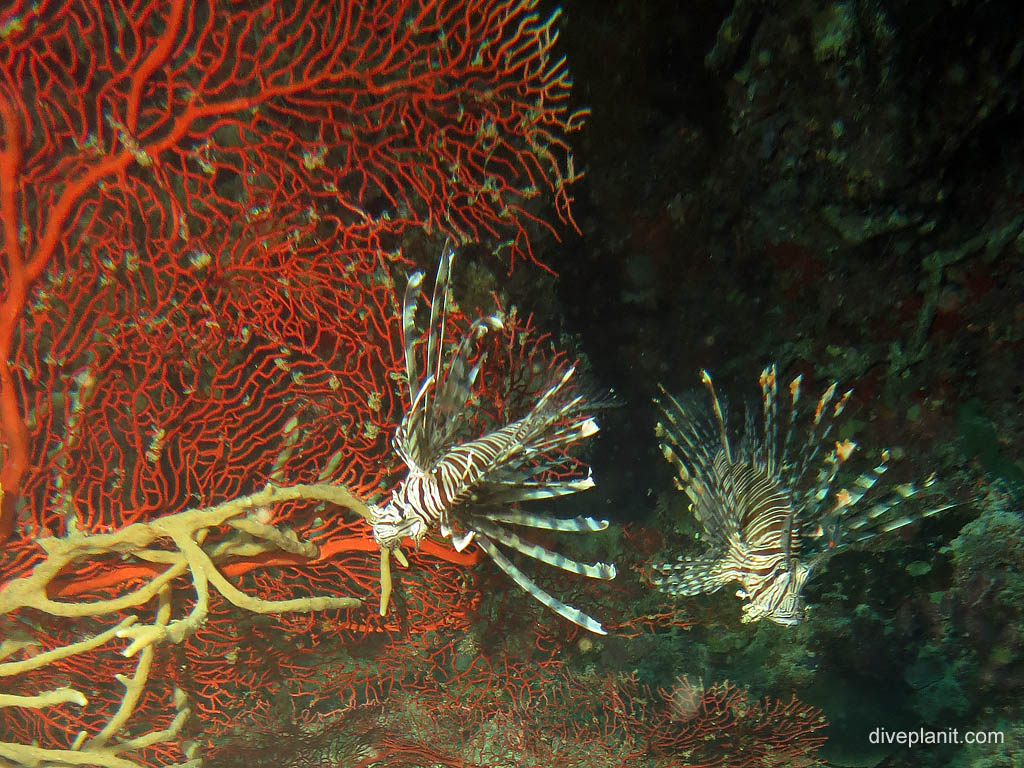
463, 484
772, 505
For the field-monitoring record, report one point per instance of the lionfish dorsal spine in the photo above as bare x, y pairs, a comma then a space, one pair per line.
438, 312
455, 388
820, 429
409, 336
723, 432
769, 393
693, 445
794, 400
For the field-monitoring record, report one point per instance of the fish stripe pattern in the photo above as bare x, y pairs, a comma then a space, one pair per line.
457, 485
771, 519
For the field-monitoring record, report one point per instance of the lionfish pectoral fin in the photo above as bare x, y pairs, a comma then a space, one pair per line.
579, 524
462, 540
575, 615
860, 531
853, 525
526, 492
514, 487
537, 552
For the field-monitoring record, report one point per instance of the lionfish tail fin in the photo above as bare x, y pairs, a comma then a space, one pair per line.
691, 575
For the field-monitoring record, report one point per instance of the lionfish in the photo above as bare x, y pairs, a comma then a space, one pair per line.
462, 484
772, 511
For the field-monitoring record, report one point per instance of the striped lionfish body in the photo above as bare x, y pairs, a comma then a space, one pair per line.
772, 508
462, 486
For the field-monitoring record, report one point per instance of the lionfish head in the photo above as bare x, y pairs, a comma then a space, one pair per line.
391, 524
779, 598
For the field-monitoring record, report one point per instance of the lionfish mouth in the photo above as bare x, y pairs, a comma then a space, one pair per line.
787, 618
778, 599
787, 615
390, 527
